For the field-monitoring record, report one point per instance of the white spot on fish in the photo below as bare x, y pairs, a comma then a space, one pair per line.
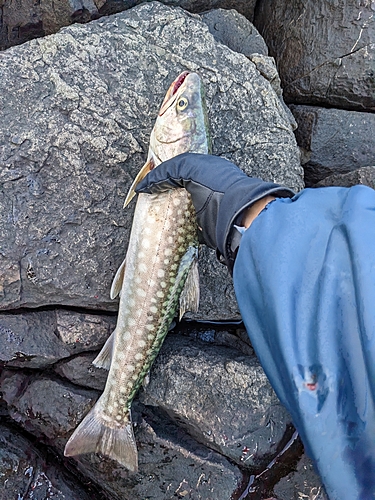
163, 284
121, 401
174, 267
110, 409
134, 377
138, 356
170, 239
130, 368
138, 280
161, 273
115, 404
153, 300
131, 321
141, 292
167, 252
118, 417
141, 343
145, 243
160, 294
150, 328
180, 239
142, 268
176, 202
150, 337
141, 255
147, 230
166, 261
154, 309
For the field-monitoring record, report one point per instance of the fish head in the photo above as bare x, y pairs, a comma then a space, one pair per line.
182, 124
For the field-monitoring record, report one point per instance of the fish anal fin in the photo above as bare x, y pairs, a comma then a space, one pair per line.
118, 280
149, 165
104, 358
189, 298
94, 435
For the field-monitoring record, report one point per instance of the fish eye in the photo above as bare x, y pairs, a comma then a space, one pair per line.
182, 103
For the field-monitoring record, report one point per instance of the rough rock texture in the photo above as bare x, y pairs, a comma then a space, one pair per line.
301, 484
325, 51
92, 93
26, 19
333, 141
235, 411
25, 475
170, 461
40, 339
363, 175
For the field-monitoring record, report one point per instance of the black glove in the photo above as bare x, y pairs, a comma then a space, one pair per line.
220, 191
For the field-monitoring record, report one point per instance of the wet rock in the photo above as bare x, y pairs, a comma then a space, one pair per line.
362, 175
48, 408
25, 474
80, 371
26, 19
92, 93
40, 339
333, 141
301, 484
324, 51
171, 463
235, 410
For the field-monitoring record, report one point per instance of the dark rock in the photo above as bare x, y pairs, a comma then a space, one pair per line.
80, 371
40, 339
29, 340
303, 483
235, 31
324, 50
363, 175
333, 141
170, 462
48, 408
92, 93
26, 19
235, 410
24, 473
82, 332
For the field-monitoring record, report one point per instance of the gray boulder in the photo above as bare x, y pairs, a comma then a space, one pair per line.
234, 411
333, 141
25, 473
41, 339
171, 463
324, 50
27, 19
92, 93
362, 175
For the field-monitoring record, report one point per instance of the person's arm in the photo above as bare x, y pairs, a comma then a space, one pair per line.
220, 192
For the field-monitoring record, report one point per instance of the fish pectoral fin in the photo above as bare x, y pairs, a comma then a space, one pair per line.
118, 280
104, 358
149, 165
93, 435
189, 298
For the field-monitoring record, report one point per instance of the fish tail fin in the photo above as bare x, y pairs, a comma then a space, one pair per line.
93, 435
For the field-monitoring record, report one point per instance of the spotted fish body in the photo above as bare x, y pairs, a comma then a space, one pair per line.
158, 275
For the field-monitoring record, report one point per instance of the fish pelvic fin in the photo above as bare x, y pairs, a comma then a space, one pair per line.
189, 298
104, 358
94, 435
118, 280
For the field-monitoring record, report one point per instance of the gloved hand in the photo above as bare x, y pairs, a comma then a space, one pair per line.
220, 192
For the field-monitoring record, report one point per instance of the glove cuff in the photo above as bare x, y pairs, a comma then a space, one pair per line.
240, 196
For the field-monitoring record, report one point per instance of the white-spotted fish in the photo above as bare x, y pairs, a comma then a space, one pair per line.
158, 275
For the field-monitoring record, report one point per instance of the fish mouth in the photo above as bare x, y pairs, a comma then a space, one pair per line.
171, 94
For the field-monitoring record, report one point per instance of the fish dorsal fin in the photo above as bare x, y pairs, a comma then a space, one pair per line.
149, 165
118, 280
189, 298
104, 358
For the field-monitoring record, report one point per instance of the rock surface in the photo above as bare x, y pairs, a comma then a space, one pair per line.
363, 175
40, 339
325, 51
333, 141
26, 19
92, 93
219, 414
25, 475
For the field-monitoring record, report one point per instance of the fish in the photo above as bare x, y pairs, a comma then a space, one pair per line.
158, 276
